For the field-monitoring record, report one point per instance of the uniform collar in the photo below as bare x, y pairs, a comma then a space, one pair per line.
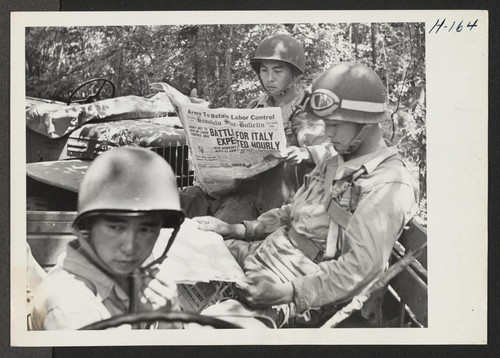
80, 260
368, 161
264, 101
267, 101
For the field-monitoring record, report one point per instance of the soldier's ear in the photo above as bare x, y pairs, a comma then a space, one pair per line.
81, 233
84, 226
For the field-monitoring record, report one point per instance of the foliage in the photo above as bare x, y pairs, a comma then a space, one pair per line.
215, 60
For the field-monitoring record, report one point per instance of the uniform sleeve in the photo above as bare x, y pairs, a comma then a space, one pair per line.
71, 316
267, 223
35, 273
272, 219
369, 237
69, 306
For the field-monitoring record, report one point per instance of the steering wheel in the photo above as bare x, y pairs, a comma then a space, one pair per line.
150, 317
93, 97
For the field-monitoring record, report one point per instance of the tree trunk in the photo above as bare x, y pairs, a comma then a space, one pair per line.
229, 75
196, 75
118, 73
374, 35
355, 36
422, 175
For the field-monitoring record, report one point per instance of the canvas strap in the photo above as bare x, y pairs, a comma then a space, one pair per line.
337, 205
311, 250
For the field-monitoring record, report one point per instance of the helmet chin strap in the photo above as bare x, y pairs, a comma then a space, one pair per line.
356, 141
146, 269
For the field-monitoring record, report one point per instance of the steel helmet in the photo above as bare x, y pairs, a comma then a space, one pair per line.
130, 180
351, 92
281, 47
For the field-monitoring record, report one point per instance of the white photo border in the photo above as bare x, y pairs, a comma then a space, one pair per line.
457, 140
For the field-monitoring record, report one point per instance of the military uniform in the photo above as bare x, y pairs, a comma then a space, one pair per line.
77, 292
381, 200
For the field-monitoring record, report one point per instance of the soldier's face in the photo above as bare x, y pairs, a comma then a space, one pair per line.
341, 133
123, 242
275, 76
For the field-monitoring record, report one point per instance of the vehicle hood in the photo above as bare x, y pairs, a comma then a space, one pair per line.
55, 120
65, 174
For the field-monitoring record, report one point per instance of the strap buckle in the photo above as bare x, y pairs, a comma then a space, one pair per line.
320, 256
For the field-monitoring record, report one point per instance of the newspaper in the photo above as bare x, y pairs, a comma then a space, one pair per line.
229, 144
200, 263
194, 298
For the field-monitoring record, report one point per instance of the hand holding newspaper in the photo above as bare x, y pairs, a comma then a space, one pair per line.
201, 265
229, 144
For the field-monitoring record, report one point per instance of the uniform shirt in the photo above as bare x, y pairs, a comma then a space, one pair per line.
384, 202
76, 293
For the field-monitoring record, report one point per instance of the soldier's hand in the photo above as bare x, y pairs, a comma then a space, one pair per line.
227, 231
298, 155
157, 294
259, 291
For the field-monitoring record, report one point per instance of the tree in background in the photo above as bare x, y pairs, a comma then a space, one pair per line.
215, 60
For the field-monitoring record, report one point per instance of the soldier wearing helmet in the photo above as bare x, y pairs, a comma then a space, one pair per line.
279, 62
305, 259
126, 197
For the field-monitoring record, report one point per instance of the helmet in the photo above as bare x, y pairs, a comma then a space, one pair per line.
354, 92
281, 47
129, 180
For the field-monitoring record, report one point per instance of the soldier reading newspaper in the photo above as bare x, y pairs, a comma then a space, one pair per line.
229, 144
303, 261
